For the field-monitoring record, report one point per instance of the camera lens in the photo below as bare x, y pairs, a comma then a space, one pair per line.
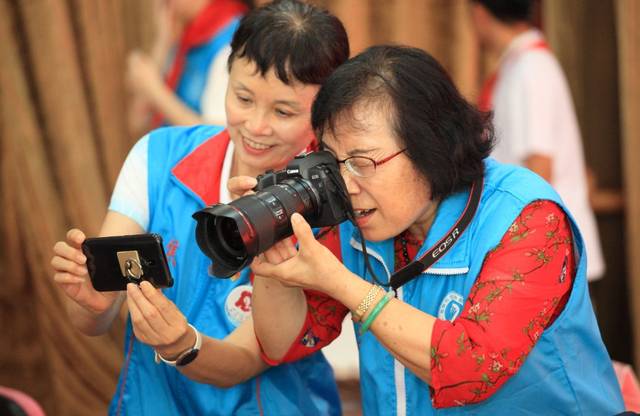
229, 236
233, 234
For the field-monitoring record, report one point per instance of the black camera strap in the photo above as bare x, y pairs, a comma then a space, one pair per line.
435, 253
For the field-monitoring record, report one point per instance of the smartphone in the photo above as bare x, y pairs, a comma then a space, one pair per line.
115, 261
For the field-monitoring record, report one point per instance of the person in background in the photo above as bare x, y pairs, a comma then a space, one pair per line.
200, 330
534, 118
500, 322
183, 81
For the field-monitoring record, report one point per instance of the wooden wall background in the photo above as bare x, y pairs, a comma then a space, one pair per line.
63, 137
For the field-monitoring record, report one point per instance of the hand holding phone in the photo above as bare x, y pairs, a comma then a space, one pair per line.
72, 276
113, 262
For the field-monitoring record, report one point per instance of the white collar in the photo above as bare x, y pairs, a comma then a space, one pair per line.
225, 195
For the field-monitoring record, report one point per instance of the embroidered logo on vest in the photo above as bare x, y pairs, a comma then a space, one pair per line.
172, 247
451, 306
238, 304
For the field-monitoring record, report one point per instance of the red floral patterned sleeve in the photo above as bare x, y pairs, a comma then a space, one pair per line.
522, 287
323, 322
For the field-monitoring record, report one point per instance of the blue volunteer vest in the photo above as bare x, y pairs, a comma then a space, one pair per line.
214, 306
568, 372
198, 60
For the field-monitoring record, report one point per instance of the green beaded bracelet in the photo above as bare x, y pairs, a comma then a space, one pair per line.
375, 312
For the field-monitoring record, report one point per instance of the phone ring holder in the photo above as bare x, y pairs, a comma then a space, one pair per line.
129, 265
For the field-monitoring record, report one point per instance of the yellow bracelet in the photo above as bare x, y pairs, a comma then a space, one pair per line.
363, 307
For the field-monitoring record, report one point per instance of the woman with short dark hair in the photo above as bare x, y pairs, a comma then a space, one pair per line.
191, 349
445, 137
465, 277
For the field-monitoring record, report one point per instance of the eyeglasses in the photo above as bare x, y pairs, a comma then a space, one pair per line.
365, 167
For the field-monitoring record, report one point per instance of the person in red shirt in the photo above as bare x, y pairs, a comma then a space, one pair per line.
489, 307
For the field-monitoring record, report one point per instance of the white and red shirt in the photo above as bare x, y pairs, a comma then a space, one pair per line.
534, 114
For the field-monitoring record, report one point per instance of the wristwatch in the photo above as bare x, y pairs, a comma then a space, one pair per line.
186, 356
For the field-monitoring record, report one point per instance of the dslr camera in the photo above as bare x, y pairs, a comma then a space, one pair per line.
233, 234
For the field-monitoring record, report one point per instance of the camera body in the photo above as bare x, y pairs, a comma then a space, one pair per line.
233, 234
316, 171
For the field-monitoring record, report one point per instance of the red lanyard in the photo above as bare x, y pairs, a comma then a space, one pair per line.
485, 100
216, 15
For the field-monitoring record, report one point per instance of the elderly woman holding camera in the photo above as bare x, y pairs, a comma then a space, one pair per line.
489, 307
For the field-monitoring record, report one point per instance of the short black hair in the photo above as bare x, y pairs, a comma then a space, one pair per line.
446, 137
509, 11
297, 40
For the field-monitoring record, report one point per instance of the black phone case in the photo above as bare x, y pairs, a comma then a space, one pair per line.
115, 261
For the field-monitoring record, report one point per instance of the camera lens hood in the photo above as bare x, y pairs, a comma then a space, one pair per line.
225, 235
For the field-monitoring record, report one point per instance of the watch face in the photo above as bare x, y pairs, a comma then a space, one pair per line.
187, 358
